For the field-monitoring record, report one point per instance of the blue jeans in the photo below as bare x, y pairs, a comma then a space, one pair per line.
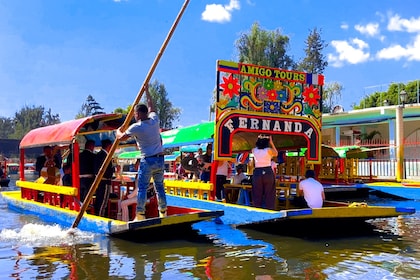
151, 167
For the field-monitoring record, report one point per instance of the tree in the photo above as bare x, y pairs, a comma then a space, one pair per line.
6, 127
330, 96
391, 96
314, 62
164, 108
29, 118
90, 108
263, 47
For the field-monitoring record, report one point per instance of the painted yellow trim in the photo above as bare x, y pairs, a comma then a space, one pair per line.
47, 188
16, 196
188, 189
350, 212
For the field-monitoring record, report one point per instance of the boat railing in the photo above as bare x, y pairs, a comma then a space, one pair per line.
193, 189
59, 196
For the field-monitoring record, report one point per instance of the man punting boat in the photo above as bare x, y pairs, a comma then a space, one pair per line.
59, 203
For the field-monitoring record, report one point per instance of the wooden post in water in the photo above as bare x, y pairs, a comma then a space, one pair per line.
114, 146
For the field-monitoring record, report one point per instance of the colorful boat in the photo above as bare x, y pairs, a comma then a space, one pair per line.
61, 204
252, 100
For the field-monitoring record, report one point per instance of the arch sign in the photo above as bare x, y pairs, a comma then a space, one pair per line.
260, 99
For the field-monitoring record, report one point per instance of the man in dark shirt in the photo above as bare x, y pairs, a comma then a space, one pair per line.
87, 168
104, 187
206, 164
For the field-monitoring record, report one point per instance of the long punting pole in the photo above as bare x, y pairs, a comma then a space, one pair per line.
127, 120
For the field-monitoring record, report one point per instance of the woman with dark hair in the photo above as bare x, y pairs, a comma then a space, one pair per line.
263, 178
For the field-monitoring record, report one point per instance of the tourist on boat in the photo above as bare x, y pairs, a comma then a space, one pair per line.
206, 164
86, 168
104, 187
239, 176
199, 158
146, 132
221, 176
66, 179
311, 191
47, 159
263, 178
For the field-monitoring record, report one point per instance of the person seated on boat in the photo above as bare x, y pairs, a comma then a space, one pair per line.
239, 176
66, 179
104, 187
180, 172
48, 166
199, 158
231, 194
131, 199
47, 159
311, 192
86, 168
206, 164
263, 179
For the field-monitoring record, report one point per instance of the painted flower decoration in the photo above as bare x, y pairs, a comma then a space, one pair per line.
311, 95
278, 85
230, 86
269, 84
271, 107
272, 95
262, 93
282, 95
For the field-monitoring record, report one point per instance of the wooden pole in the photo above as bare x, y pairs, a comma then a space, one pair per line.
126, 123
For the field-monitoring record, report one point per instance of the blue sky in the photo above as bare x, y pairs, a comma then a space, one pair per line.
56, 53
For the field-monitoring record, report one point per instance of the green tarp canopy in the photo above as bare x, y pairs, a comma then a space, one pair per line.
195, 134
136, 155
129, 155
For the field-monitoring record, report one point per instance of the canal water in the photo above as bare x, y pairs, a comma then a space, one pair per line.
31, 249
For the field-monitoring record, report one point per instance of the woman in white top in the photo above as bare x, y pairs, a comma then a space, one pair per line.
263, 178
221, 175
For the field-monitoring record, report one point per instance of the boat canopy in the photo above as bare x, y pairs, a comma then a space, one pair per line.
195, 134
64, 133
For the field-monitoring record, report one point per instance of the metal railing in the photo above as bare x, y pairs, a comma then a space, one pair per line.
385, 169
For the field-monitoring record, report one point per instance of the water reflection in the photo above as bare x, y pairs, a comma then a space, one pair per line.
31, 249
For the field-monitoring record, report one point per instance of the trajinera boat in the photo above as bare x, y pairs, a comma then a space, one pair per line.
53, 202
287, 105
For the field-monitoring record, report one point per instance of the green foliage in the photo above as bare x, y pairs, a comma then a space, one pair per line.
29, 118
6, 127
263, 47
330, 96
90, 108
314, 62
391, 96
164, 108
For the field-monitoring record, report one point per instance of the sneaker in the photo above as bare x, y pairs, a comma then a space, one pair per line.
162, 214
140, 217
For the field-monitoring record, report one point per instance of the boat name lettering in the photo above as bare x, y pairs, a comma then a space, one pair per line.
268, 125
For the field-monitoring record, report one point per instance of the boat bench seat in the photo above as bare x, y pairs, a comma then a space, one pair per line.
198, 190
51, 193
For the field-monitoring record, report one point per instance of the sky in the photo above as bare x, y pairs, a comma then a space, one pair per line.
56, 53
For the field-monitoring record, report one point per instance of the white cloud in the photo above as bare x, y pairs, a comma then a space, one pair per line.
344, 26
220, 13
396, 23
352, 52
410, 52
370, 29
